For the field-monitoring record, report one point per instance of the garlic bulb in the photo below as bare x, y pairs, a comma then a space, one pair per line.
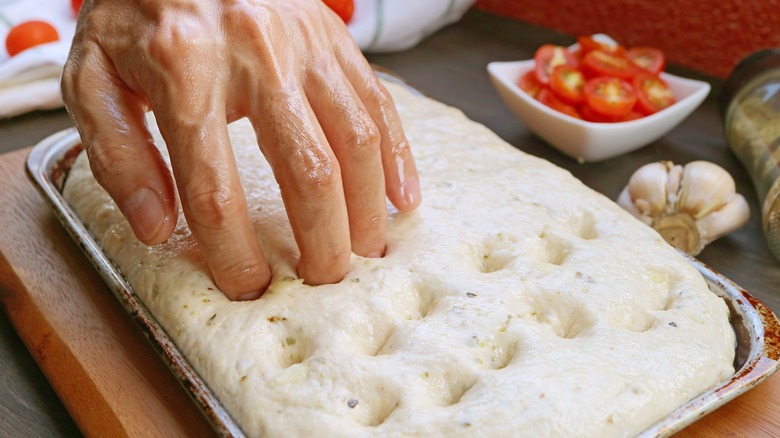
689, 206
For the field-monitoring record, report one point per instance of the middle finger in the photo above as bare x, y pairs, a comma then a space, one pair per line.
354, 138
309, 178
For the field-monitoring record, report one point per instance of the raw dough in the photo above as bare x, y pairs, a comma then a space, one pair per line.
514, 301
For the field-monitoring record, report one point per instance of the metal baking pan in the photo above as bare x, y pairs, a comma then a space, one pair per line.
757, 328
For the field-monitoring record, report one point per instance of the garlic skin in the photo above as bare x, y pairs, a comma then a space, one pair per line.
690, 206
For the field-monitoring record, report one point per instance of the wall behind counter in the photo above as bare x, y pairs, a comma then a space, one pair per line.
710, 36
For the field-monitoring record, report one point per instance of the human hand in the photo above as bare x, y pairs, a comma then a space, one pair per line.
324, 122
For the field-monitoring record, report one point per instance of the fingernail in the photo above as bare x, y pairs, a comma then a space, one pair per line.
249, 296
374, 255
145, 212
410, 190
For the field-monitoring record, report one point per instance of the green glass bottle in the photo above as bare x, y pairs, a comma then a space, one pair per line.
750, 107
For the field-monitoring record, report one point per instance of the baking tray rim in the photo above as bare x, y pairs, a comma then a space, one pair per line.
756, 326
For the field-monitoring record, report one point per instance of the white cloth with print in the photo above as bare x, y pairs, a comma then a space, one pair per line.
392, 25
30, 80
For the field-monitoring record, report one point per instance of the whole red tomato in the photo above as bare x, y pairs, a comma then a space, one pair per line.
29, 34
76, 6
344, 8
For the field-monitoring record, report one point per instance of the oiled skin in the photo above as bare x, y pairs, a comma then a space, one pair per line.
323, 121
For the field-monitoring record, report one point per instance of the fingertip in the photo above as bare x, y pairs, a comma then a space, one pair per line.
315, 275
243, 284
375, 255
410, 194
250, 296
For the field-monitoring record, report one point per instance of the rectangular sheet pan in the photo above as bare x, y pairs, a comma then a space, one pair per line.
757, 328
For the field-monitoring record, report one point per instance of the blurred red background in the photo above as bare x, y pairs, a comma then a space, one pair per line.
709, 36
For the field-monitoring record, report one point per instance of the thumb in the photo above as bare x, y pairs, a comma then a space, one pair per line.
111, 121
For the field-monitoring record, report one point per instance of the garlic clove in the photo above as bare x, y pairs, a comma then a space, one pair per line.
647, 188
729, 217
673, 185
704, 187
624, 200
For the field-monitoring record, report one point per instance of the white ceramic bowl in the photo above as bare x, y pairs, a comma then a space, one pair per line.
588, 141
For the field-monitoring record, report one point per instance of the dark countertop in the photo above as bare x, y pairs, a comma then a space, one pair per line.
450, 67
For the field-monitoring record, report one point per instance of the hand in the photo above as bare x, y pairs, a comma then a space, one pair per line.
324, 122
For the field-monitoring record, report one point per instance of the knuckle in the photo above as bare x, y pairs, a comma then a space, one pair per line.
377, 96
77, 78
318, 177
103, 161
363, 138
214, 209
401, 148
174, 45
161, 48
68, 85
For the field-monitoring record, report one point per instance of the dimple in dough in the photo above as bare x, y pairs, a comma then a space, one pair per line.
514, 301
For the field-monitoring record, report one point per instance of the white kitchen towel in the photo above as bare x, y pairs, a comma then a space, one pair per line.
30, 80
392, 25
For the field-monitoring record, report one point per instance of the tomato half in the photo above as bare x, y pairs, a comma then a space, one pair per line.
530, 84
343, 8
653, 94
600, 63
548, 98
588, 44
610, 96
549, 56
590, 115
568, 83
75, 5
649, 59
29, 34
632, 115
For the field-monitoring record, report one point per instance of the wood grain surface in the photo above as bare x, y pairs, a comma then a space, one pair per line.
102, 368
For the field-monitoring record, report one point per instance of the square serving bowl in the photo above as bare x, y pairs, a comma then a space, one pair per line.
589, 141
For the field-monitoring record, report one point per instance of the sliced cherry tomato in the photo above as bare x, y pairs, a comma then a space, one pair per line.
649, 59
610, 96
29, 34
588, 44
530, 84
653, 94
599, 63
76, 6
548, 98
592, 116
548, 57
568, 84
632, 115
344, 8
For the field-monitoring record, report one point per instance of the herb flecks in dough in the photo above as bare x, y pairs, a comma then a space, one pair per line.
353, 340
275, 318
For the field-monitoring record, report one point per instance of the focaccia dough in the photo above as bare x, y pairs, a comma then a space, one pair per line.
514, 302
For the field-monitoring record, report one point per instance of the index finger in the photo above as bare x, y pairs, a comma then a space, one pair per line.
210, 190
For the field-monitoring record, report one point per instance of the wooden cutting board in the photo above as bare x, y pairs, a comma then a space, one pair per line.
106, 372
101, 366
